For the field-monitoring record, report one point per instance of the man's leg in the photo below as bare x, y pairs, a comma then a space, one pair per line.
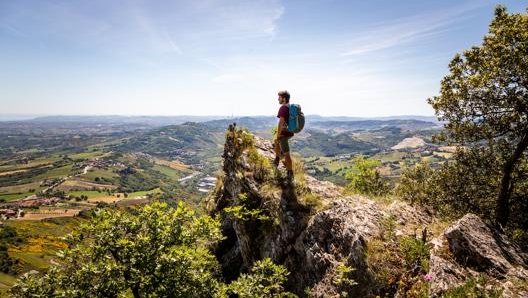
288, 164
287, 158
277, 147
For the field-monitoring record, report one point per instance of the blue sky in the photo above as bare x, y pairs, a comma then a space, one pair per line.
230, 57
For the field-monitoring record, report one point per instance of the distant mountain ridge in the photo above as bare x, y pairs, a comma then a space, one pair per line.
105, 119
169, 120
266, 123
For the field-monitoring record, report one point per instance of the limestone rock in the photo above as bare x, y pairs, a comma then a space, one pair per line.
478, 246
478, 251
274, 220
333, 237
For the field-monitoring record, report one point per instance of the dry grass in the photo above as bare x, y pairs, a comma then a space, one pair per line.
20, 187
385, 171
106, 199
413, 142
443, 154
44, 214
81, 184
175, 165
450, 149
12, 172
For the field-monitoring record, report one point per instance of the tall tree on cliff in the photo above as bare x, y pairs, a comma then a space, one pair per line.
484, 100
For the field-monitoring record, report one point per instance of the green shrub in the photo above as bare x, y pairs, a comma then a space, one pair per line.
342, 279
415, 253
245, 211
155, 251
365, 177
265, 280
474, 288
415, 184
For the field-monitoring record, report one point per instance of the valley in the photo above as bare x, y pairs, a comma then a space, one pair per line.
55, 173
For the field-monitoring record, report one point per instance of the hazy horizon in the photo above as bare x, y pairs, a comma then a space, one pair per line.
19, 117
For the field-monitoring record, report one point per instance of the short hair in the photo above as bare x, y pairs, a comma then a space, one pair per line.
285, 94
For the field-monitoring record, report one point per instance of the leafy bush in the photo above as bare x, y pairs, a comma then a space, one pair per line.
467, 183
156, 251
474, 288
245, 211
265, 280
342, 279
6, 262
415, 253
365, 177
416, 184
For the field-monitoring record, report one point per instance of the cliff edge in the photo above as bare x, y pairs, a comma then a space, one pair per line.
337, 245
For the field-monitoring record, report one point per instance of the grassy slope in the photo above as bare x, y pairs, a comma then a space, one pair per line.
43, 241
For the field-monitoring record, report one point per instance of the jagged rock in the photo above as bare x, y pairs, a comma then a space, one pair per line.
408, 216
445, 275
333, 237
313, 243
478, 250
327, 191
478, 246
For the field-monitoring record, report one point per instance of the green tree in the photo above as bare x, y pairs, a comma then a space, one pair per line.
416, 184
365, 177
264, 281
467, 183
155, 251
484, 100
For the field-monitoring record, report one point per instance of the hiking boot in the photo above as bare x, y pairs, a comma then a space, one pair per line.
276, 161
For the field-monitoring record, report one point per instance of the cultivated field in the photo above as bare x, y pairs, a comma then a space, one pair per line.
45, 214
176, 165
77, 183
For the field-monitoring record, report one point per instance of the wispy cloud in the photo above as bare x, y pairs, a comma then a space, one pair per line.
13, 31
133, 26
224, 21
405, 30
175, 48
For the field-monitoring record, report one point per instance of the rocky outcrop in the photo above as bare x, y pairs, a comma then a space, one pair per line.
319, 234
478, 246
478, 251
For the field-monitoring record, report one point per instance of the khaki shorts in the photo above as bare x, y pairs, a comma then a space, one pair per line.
285, 147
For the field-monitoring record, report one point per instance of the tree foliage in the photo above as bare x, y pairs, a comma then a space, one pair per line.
365, 177
264, 281
155, 251
484, 100
468, 183
416, 184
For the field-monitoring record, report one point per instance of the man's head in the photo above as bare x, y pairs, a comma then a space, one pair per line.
285, 95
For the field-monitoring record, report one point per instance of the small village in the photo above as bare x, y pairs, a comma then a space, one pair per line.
49, 203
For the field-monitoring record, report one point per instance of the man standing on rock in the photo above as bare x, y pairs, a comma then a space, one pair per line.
282, 148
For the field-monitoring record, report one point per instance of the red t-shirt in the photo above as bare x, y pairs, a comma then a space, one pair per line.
284, 112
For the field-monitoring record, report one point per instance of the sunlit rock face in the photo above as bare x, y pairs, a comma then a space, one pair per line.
313, 229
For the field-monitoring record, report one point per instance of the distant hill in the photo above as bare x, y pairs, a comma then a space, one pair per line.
320, 143
170, 120
413, 142
254, 124
192, 141
345, 118
264, 123
405, 124
323, 136
149, 120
